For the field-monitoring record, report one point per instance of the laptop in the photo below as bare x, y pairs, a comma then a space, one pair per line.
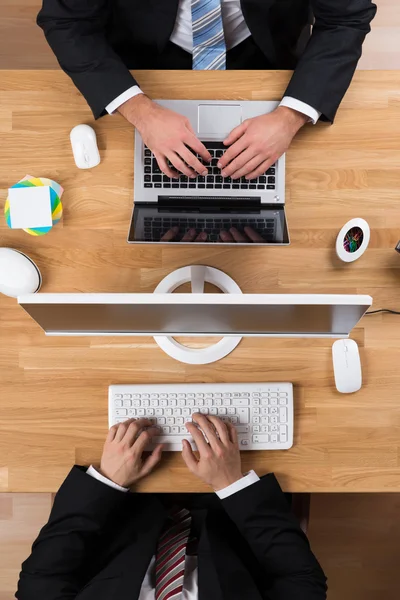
171, 210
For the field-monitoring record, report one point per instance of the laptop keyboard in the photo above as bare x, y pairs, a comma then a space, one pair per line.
154, 178
156, 227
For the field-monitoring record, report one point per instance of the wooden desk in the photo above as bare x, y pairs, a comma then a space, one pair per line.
53, 408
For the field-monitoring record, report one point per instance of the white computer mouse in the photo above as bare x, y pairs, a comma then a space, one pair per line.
84, 147
18, 274
346, 366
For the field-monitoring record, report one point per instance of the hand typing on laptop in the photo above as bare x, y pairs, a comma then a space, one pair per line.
233, 235
259, 142
169, 135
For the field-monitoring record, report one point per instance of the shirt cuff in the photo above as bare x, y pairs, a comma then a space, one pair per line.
122, 98
93, 473
240, 484
301, 107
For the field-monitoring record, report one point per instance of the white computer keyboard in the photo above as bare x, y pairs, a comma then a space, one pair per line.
261, 412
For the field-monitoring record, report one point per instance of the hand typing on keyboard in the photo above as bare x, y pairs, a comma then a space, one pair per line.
218, 463
122, 461
233, 235
258, 142
169, 135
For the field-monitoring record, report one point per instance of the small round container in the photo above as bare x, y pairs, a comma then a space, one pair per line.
352, 240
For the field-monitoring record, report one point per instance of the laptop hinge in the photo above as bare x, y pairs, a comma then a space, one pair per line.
209, 203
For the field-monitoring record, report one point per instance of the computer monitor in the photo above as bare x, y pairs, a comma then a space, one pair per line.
272, 315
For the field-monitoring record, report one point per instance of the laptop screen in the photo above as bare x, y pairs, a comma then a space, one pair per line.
155, 223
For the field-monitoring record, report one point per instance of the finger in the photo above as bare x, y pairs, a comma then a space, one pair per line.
232, 152
198, 438
122, 429
225, 236
133, 429
144, 440
202, 237
189, 236
196, 145
220, 428
207, 428
192, 160
188, 456
262, 168
253, 235
238, 163
162, 163
252, 165
236, 133
152, 460
180, 165
237, 235
111, 433
233, 434
170, 235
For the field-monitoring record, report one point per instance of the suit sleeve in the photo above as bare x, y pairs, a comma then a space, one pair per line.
326, 68
263, 517
76, 32
57, 566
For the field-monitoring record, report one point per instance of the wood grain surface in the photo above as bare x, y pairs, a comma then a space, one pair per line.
53, 407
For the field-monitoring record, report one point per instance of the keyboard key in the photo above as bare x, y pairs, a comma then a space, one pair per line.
165, 430
261, 439
127, 403
118, 403
283, 414
274, 437
240, 401
170, 421
243, 414
120, 412
243, 429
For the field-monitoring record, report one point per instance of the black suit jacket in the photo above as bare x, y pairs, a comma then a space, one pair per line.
97, 41
98, 543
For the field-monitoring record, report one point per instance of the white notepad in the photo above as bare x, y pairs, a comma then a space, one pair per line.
30, 207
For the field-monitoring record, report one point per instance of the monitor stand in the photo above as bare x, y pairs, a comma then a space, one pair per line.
197, 275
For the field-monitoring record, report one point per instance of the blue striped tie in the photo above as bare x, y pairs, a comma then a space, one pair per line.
209, 50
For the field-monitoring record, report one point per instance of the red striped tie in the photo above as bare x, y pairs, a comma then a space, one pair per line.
170, 557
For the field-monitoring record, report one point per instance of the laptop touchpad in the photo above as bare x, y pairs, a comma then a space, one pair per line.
218, 119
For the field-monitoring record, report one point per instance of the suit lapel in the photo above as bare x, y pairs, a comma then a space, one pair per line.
222, 574
256, 14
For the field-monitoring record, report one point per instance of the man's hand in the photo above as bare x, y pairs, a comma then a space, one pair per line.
122, 460
169, 136
218, 463
257, 143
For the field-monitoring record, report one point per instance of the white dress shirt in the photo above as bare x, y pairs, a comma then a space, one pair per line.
236, 31
190, 582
